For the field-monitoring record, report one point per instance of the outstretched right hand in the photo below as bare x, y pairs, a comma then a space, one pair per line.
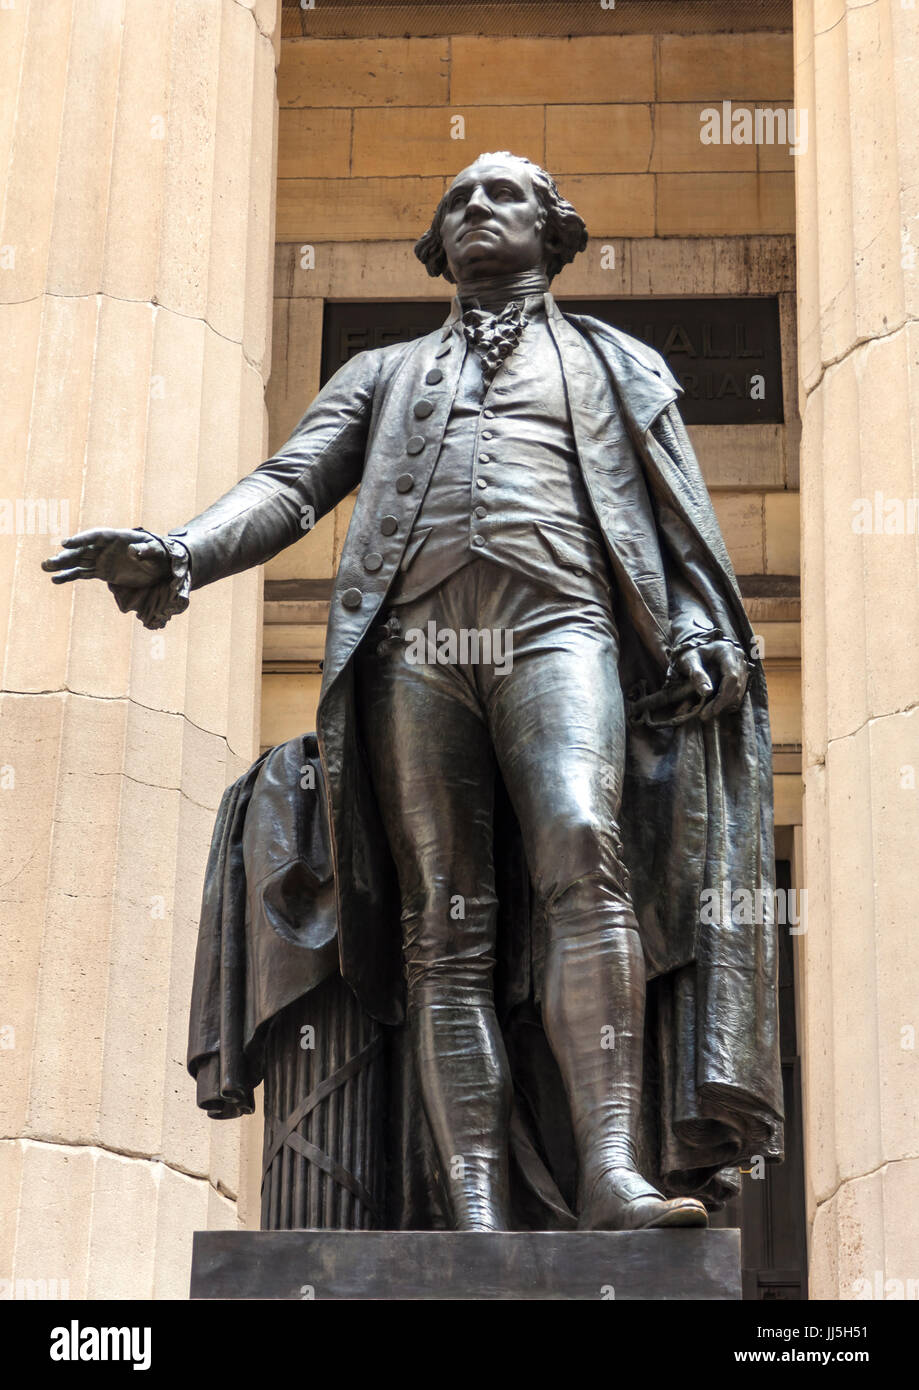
126, 559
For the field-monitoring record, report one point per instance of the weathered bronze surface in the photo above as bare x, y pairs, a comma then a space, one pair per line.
537, 655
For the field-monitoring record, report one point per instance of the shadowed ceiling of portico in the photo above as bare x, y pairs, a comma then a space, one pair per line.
357, 18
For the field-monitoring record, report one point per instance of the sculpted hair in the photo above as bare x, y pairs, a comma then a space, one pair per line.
566, 230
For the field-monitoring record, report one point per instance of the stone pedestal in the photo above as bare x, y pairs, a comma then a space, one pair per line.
397, 1266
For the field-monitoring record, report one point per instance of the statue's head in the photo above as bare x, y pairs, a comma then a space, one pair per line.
501, 215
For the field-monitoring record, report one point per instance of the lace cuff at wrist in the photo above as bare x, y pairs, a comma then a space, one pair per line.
156, 604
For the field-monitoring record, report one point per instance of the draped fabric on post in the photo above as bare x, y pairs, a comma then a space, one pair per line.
267, 933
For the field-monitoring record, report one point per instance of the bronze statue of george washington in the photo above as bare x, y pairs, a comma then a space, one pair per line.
534, 600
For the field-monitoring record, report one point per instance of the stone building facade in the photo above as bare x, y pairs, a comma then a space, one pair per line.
192, 189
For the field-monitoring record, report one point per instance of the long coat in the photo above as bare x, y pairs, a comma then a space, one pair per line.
697, 803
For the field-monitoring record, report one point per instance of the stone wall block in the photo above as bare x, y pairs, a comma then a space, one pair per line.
28, 782
55, 1215
357, 209
613, 204
81, 193
739, 457
11, 1157
182, 1209
813, 583
888, 406
596, 139
367, 72
716, 204
876, 173
818, 946
710, 67
34, 106
845, 659
70, 1019
740, 516
856, 1001
904, 42
509, 71
20, 325
48, 360
232, 138
833, 155
138, 968
315, 143
893, 744
783, 528
136, 195
678, 146
191, 125
101, 637
407, 140
15, 25
122, 1242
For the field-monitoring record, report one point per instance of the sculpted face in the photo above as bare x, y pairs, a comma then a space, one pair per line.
493, 223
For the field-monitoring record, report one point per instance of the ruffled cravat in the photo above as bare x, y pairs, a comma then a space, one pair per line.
494, 336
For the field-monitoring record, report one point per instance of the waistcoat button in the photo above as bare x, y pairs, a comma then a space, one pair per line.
352, 598
415, 444
423, 409
405, 482
389, 525
433, 376
373, 560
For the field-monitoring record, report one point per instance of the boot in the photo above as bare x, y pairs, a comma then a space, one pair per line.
463, 1074
594, 1016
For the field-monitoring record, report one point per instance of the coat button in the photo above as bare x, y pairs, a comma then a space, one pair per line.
405, 482
352, 598
434, 376
478, 540
389, 525
415, 444
373, 560
480, 512
481, 482
423, 409
489, 414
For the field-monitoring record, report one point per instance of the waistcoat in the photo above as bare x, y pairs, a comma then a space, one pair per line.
507, 485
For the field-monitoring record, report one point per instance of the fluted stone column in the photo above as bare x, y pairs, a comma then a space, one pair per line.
136, 239
857, 68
